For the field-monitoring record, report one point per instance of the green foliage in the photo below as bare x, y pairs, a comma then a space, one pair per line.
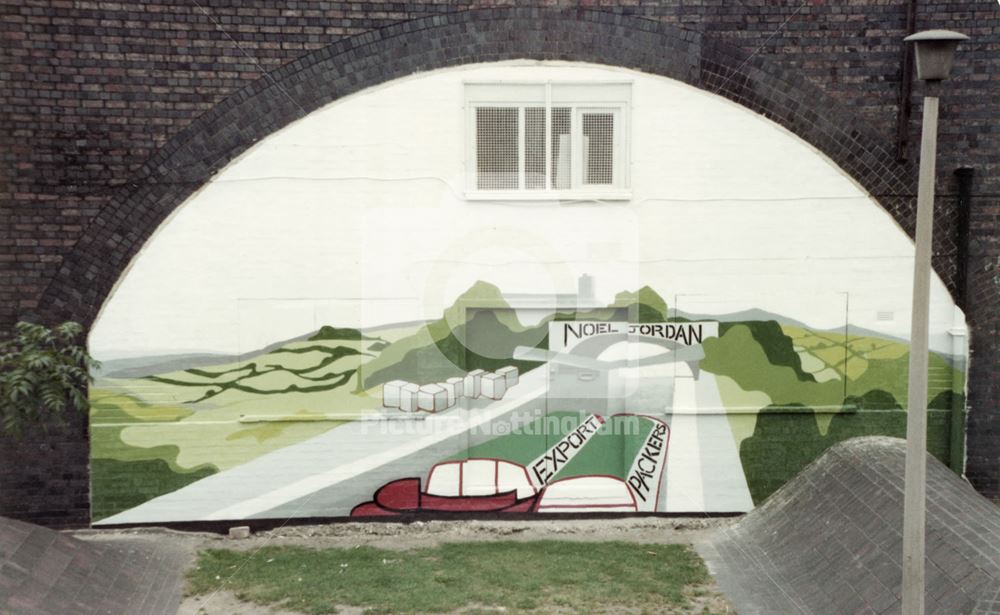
648, 304
875, 399
758, 356
43, 372
543, 576
744, 358
737, 354
787, 439
947, 400
243, 374
777, 346
443, 348
445, 356
782, 444
400, 358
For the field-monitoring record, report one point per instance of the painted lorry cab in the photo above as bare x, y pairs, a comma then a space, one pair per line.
527, 288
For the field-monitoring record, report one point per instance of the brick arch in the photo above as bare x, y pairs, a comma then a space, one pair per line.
190, 160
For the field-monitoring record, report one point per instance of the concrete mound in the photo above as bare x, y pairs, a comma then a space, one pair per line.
830, 540
46, 572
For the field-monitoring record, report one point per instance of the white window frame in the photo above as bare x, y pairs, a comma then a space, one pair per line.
579, 103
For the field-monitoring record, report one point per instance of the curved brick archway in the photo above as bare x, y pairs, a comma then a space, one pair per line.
191, 158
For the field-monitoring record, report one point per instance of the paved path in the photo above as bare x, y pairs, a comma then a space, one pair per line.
44, 572
989, 604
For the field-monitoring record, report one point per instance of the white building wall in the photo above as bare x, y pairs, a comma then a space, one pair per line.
728, 212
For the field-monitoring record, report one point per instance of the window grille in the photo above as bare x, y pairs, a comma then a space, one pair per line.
562, 148
534, 148
598, 148
497, 148
548, 140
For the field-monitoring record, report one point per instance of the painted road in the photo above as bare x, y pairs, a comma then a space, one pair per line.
704, 472
352, 459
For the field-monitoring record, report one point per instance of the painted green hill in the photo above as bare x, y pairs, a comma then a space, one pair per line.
645, 305
778, 347
272, 373
481, 331
327, 332
478, 331
862, 392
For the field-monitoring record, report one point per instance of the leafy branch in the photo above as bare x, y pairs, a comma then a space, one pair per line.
43, 372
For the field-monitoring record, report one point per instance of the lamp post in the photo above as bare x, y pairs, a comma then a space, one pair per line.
935, 52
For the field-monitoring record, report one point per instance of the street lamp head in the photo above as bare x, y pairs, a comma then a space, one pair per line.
935, 52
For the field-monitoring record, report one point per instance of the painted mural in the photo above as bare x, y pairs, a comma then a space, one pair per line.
582, 411
331, 329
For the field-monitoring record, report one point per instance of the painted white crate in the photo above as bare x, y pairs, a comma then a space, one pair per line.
453, 386
390, 393
509, 374
432, 397
493, 386
472, 386
408, 394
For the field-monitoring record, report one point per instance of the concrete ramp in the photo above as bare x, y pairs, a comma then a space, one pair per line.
46, 572
830, 541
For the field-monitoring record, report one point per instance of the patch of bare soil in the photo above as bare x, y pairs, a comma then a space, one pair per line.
706, 601
419, 534
226, 603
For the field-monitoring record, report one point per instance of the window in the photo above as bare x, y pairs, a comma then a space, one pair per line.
548, 140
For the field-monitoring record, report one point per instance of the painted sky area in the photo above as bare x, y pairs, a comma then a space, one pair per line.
356, 216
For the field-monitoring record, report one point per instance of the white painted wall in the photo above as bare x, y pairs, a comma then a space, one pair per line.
355, 216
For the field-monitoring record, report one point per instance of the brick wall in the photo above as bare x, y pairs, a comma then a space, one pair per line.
114, 112
42, 474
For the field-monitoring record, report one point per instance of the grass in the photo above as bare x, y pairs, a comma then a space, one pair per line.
523, 576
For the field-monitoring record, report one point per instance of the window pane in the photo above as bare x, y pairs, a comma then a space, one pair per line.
598, 148
561, 148
534, 148
496, 148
